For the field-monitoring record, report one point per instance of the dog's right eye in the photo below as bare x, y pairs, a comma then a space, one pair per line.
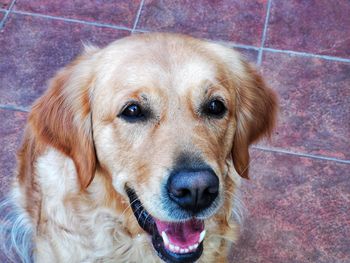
215, 108
132, 112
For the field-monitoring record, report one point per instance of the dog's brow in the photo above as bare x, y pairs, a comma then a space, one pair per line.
144, 96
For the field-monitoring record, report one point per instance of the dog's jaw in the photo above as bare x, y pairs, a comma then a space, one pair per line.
180, 242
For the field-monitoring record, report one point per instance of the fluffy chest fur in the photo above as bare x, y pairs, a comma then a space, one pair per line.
81, 227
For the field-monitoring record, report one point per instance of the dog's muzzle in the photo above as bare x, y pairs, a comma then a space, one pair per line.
175, 242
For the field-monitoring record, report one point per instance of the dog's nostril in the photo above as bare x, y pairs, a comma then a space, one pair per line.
178, 193
194, 190
211, 190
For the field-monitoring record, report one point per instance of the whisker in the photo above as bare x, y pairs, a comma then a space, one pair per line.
251, 160
143, 210
129, 206
238, 207
145, 221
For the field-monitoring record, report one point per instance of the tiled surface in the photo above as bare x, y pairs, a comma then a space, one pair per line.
297, 207
231, 20
317, 26
314, 104
297, 211
11, 130
42, 47
119, 13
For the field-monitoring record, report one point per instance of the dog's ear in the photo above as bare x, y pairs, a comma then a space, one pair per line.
256, 107
61, 118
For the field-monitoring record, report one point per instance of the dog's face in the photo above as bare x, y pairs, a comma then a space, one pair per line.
168, 117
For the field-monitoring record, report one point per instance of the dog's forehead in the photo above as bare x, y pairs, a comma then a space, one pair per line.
176, 72
179, 76
193, 73
173, 67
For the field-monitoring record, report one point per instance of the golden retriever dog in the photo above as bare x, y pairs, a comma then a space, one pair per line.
135, 154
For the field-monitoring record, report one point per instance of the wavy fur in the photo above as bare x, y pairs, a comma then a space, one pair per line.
15, 232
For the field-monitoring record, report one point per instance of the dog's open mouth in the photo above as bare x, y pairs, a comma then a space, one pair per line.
173, 241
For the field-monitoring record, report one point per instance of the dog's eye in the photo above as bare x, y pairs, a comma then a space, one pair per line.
132, 112
215, 108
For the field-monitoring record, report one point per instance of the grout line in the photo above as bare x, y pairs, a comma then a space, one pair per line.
14, 108
233, 44
245, 47
290, 52
142, 31
7, 12
72, 20
137, 16
12, 5
304, 54
307, 155
264, 33
249, 47
2, 22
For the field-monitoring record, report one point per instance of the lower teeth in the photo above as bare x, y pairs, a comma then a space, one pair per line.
177, 249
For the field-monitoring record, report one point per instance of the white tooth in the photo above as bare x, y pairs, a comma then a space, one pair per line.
196, 245
182, 250
186, 250
171, 246
191, 247
165, 238
201, 236
177, 248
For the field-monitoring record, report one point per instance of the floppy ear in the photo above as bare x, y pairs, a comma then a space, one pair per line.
256, 107
61, 118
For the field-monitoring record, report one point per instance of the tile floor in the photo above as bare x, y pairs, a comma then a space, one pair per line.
298, 199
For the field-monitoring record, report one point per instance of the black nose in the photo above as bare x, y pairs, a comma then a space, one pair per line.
193, 190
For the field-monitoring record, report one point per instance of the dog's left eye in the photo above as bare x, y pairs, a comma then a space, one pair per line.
132, 112
215, 108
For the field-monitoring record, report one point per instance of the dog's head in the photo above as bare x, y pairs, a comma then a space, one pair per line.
170, 118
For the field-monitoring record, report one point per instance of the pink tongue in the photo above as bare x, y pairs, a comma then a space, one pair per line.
182, 234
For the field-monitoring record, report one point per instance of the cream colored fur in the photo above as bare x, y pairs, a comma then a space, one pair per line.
91, 233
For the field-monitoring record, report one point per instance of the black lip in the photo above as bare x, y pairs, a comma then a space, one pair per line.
144, 219
147, 223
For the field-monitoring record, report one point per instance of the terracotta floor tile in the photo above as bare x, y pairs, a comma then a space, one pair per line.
315, 105
11, 130
297, 208
120, 13
297, 211
237, 21
321, 26
35, 48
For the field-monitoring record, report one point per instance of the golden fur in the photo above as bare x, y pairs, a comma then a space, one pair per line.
77, 155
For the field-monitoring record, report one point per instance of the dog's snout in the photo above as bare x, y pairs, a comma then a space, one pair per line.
193, 190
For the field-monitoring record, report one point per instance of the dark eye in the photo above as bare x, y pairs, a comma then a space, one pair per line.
132, 112
215, 108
